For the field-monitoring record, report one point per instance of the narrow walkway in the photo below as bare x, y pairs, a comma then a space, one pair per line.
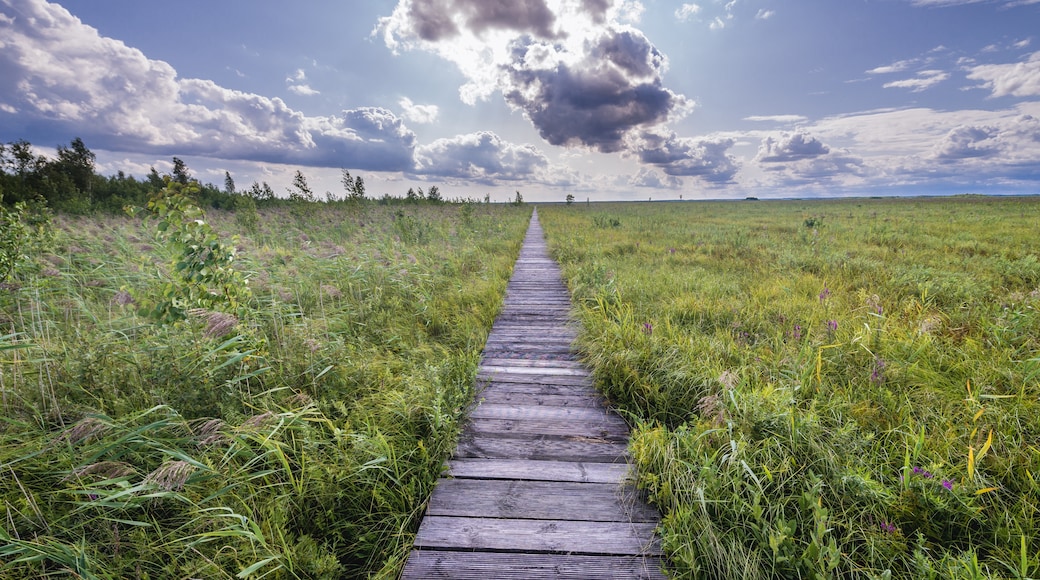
537, 487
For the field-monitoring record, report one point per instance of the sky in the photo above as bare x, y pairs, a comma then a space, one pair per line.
601, 99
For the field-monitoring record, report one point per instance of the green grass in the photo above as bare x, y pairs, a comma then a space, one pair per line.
296, 436
842, 388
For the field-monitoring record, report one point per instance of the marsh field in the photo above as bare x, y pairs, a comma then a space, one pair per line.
841, 388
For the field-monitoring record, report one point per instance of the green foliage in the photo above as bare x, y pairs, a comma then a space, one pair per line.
24, 231
302, 443
203, 276
854, 400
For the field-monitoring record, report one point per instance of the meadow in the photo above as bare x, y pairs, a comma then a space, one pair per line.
260, 393
842, 388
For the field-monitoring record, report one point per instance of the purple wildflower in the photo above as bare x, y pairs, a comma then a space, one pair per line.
832, 325
825, 294
648, 328
797, 333
889, 528
92, 496
671, 250
878, 374
947, 484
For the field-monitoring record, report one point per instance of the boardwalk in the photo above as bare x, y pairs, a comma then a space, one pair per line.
537, 486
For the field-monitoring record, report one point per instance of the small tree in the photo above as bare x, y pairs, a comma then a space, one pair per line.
434, 194
359, 189
229, 184
300, 191
348, 185
570, 198
180, 172
411, 196
519, 199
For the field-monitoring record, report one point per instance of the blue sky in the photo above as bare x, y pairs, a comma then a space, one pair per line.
604, 99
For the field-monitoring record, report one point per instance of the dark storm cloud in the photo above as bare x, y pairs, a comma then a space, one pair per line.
434, 20
596, 9
614, 88
790, 147
677, 156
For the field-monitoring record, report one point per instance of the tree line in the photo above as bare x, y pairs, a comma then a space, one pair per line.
70, 183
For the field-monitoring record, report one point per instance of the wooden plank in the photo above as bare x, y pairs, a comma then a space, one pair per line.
558, 380
539, 500
493, 370
535, 470
542, 536
543, 412
574, 448
505, 396
490, 362
528, 428
438, 564
529, 388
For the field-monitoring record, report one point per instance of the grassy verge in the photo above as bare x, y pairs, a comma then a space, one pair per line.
841, 388
295, 435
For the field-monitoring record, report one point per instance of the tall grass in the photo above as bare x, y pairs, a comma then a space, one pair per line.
295, 438
822, 389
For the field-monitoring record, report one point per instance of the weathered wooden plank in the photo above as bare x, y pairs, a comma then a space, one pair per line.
528, 428
542, 412
439, 564
494, 370
504, 396
538, 500
527, 363
551, 380
575, 448
544, 536
528, 388
536, 470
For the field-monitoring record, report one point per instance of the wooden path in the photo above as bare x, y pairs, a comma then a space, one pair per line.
538, 484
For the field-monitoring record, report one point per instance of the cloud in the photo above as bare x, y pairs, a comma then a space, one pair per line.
421, 114
653, 179
925, 79
777, 118
687, 11
764, 14
482, 157
967, 141
898, 66
435, 20
706, 158
62, 75
304, 90
577, 73
614, 88
790, 147
1020, 79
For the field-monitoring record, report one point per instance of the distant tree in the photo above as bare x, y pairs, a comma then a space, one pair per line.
260, 192
519, 199
300, 190
487, 198
77, 162
229, 184
411, 196
348, 184
155, 180
180, 172
570, 198
419, 192
359, 189
434, 194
